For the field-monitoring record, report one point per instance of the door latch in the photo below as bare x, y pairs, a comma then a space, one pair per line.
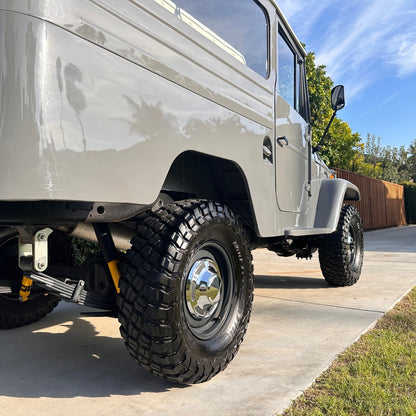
282, 139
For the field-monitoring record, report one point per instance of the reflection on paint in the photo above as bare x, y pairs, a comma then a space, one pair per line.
78, 120
75, 96
92, 34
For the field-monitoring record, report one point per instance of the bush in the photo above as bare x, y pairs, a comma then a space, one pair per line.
410, 201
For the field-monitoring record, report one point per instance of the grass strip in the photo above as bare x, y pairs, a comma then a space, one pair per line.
375, 376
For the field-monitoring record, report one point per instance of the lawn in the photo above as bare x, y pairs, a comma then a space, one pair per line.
375, 376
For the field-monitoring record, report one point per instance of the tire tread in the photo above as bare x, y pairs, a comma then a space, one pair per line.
333, 253
14, 314
147, 300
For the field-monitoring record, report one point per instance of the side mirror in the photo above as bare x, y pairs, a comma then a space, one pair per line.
337, 98
337, 103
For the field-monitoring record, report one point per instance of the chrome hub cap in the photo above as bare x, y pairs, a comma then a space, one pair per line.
351, 247
204, 289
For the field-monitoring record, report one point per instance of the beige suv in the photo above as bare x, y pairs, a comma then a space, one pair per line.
175, 134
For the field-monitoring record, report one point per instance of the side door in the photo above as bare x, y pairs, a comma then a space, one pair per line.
293, 148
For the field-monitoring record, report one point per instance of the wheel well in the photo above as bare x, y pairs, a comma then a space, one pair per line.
196, 175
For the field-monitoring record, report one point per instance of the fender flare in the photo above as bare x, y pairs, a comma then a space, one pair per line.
332, 194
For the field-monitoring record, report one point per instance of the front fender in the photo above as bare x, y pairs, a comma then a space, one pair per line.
332, 194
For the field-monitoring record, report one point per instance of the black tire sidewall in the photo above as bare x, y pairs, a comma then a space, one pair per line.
356, 225
223, 235
160, 331
334, 256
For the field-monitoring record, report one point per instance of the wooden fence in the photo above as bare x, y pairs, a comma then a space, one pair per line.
382, 203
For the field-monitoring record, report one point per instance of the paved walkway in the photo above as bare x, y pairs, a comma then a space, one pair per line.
77, 365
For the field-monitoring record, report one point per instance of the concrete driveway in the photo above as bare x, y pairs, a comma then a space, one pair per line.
77, 365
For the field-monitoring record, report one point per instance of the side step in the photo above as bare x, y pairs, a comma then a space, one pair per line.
72, 291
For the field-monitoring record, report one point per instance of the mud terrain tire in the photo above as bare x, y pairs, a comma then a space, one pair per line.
341, 253
186, 291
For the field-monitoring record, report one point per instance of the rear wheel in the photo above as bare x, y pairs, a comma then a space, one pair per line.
341, 253
186, 291
14, 313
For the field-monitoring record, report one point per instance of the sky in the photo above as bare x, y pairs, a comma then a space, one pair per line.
370, 47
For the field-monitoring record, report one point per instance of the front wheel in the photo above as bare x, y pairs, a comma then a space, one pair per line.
186, 291
341, 253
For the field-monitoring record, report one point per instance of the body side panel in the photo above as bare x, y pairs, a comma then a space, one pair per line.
99, 98
332, 194
86, 123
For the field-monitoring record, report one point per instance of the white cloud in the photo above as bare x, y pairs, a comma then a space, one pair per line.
359, 39
304, 17
290, 8
403, 53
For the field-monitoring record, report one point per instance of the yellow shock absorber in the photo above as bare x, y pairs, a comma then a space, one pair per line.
115, 273
108, 251
25, 289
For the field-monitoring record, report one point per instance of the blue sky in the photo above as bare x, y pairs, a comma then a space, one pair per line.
370, 47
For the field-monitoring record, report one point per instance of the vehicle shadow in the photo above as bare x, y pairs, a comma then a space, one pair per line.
289, 282
78, 361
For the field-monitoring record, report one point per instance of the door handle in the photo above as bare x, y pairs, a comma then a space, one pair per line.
282, 139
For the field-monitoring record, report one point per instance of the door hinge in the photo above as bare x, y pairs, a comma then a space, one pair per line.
307, 134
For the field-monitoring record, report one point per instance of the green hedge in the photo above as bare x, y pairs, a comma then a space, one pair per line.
410, 201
